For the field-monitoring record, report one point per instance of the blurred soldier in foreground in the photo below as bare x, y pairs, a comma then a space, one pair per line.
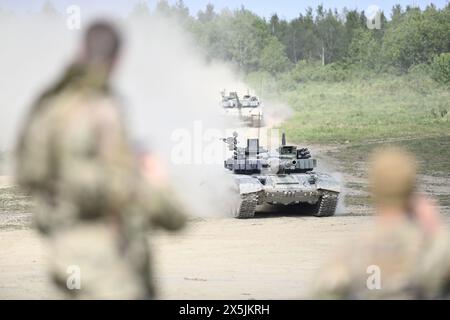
406, 255
95, 201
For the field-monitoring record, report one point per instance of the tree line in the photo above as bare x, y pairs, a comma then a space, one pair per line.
409, 37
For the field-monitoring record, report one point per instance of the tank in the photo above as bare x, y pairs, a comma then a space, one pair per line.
286, 176
248, 109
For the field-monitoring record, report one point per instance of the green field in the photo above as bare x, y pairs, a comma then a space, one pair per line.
359, 110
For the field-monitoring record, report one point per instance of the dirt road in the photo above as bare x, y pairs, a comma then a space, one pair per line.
266, 258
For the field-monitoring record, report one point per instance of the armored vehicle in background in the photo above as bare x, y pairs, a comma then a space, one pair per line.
283, 177
248, 109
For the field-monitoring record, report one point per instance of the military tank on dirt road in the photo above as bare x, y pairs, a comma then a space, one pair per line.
284, 177
247, 109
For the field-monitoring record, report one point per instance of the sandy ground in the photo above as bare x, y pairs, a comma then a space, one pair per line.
267, 258
274, 256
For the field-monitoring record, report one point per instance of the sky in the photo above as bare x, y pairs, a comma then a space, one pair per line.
287, 9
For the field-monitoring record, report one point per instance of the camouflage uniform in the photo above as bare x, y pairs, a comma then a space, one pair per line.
408, 250
75, 157
412, 265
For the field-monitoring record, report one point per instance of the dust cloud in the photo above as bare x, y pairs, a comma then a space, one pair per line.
34, 49
276, 112
171, 95
326, 166
174, 97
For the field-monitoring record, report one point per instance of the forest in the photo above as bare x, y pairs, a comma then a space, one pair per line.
338, 40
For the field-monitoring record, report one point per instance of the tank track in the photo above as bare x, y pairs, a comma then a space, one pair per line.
327, 204
247, 206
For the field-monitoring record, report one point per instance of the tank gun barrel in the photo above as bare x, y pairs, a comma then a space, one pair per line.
288, 164
281, 165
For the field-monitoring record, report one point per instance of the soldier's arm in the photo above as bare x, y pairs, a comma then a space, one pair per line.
159, 203
159, 199
168, 213
333, 280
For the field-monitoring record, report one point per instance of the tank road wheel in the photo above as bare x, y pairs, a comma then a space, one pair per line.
247, 206
327, 204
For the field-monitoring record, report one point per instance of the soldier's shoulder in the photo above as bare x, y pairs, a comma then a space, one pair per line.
85, 102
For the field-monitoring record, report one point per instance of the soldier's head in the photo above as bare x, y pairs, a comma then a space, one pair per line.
101, 46
392, 176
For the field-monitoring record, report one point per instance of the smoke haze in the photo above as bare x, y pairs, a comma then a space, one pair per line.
170, 93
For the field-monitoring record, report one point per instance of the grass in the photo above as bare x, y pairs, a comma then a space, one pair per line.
356, 111
12, 200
